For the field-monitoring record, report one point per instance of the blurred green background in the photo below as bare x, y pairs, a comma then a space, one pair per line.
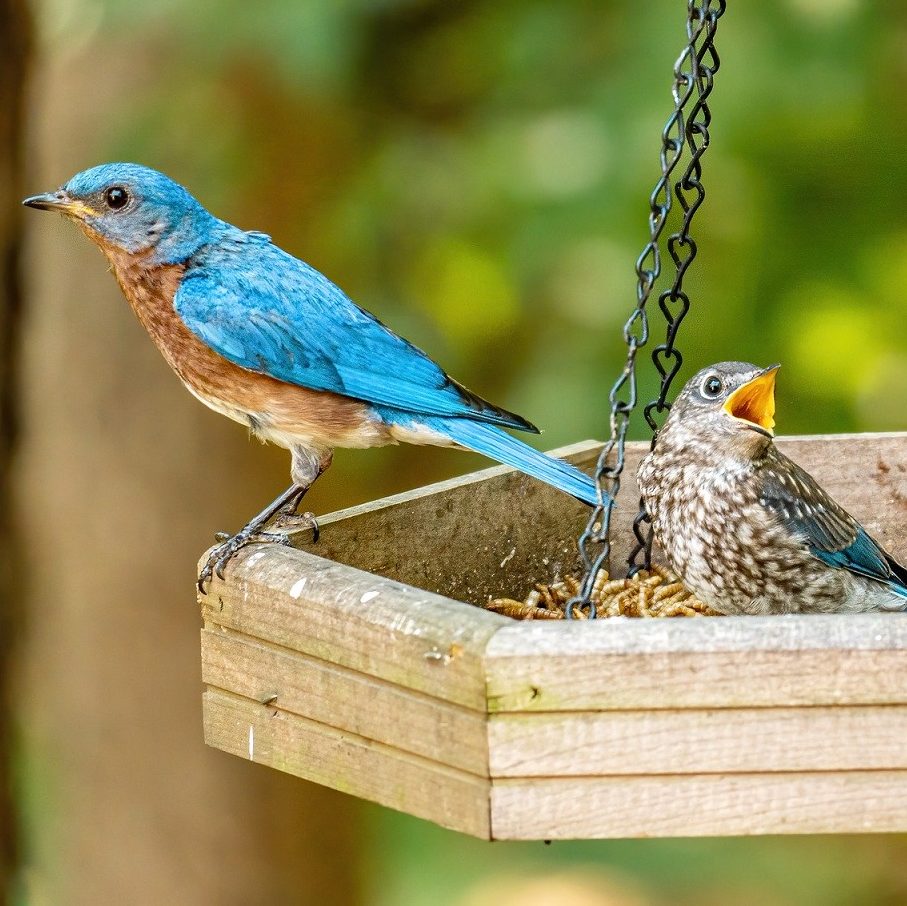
477, 175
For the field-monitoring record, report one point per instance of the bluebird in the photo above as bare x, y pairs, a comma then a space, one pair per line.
270, 342
745, 527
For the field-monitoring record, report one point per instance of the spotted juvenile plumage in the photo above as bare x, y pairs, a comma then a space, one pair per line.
268, 341
748, 530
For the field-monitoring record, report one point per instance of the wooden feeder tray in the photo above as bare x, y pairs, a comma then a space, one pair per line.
354, 663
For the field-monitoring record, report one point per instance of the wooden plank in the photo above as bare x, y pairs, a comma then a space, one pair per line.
698, 741
346, 700
718, 662
347, 762
699, 805
496, 532
360, 621
490, 532
783, 724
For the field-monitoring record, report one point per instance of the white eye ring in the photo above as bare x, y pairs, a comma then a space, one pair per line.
711, 386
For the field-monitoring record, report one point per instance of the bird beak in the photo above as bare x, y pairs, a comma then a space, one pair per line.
754, 402
61, 202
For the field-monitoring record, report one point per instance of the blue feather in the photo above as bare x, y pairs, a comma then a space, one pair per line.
269, 312
830, 532
496, 444
866, 558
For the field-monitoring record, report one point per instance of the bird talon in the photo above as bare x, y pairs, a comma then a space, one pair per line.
203, 579
228, 548
221, 536
296, 522
273, 538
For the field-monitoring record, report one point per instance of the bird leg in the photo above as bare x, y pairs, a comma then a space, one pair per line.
249, 533
288, 519
306, 468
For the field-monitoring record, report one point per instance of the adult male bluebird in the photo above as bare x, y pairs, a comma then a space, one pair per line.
268, 341
746, 528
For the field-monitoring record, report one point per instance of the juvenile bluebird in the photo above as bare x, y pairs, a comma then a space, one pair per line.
746, 528
268, 341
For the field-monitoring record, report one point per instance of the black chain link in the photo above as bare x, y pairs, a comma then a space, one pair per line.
694, 74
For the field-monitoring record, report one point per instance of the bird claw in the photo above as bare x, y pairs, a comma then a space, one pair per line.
230, 545
294, 522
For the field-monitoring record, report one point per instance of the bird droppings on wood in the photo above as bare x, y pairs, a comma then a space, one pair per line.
434, 655
650, 593
255, 558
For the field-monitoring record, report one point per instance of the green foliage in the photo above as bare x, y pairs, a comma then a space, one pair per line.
478, 173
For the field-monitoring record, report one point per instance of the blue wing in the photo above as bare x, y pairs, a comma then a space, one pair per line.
832, 534
269, 312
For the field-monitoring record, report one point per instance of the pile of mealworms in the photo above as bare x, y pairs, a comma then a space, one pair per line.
650, 593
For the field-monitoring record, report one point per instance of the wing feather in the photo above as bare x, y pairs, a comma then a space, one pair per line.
831, 533
269, 312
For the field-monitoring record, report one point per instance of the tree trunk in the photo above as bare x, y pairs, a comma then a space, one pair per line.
125, 479
15, 36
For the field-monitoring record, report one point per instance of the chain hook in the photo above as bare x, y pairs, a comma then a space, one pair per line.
687, 128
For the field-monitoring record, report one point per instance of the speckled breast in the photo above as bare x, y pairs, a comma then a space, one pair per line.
724, 544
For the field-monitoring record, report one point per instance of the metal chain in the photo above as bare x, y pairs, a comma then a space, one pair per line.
674, 302
693, 78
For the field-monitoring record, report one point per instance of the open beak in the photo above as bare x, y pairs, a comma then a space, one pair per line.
59, 201
754, 402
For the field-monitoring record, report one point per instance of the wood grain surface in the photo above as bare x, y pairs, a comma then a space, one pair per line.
340, 673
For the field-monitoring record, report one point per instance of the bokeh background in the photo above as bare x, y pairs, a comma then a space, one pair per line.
477, 175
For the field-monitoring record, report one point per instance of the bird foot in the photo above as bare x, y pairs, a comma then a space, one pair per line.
221, 555
297, 522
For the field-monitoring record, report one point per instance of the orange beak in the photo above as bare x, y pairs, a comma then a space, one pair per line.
754, 402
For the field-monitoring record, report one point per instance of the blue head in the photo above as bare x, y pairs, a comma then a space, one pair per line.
133, 209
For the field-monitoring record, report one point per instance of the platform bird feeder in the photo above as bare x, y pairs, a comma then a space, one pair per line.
366, 662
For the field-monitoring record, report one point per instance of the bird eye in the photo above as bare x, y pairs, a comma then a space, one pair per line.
712, 386
116, 197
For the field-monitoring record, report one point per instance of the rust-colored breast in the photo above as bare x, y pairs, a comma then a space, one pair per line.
281, 412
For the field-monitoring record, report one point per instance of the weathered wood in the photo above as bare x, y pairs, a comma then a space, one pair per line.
699, 663
468, 538
735, 740
346, 762
699, 805
456, 538
357, 620
734, 725
344, 699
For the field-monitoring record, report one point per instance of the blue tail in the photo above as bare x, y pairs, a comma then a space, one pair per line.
496, 444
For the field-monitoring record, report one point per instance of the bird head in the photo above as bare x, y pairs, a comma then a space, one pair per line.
732, 403
132, 209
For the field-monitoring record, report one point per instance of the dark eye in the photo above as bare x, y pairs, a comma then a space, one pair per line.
712, 386
116, 197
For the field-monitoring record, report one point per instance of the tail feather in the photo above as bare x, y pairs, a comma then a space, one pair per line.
489, 412
898, 583
496, 444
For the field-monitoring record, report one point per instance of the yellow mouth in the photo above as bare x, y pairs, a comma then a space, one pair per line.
754, 402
